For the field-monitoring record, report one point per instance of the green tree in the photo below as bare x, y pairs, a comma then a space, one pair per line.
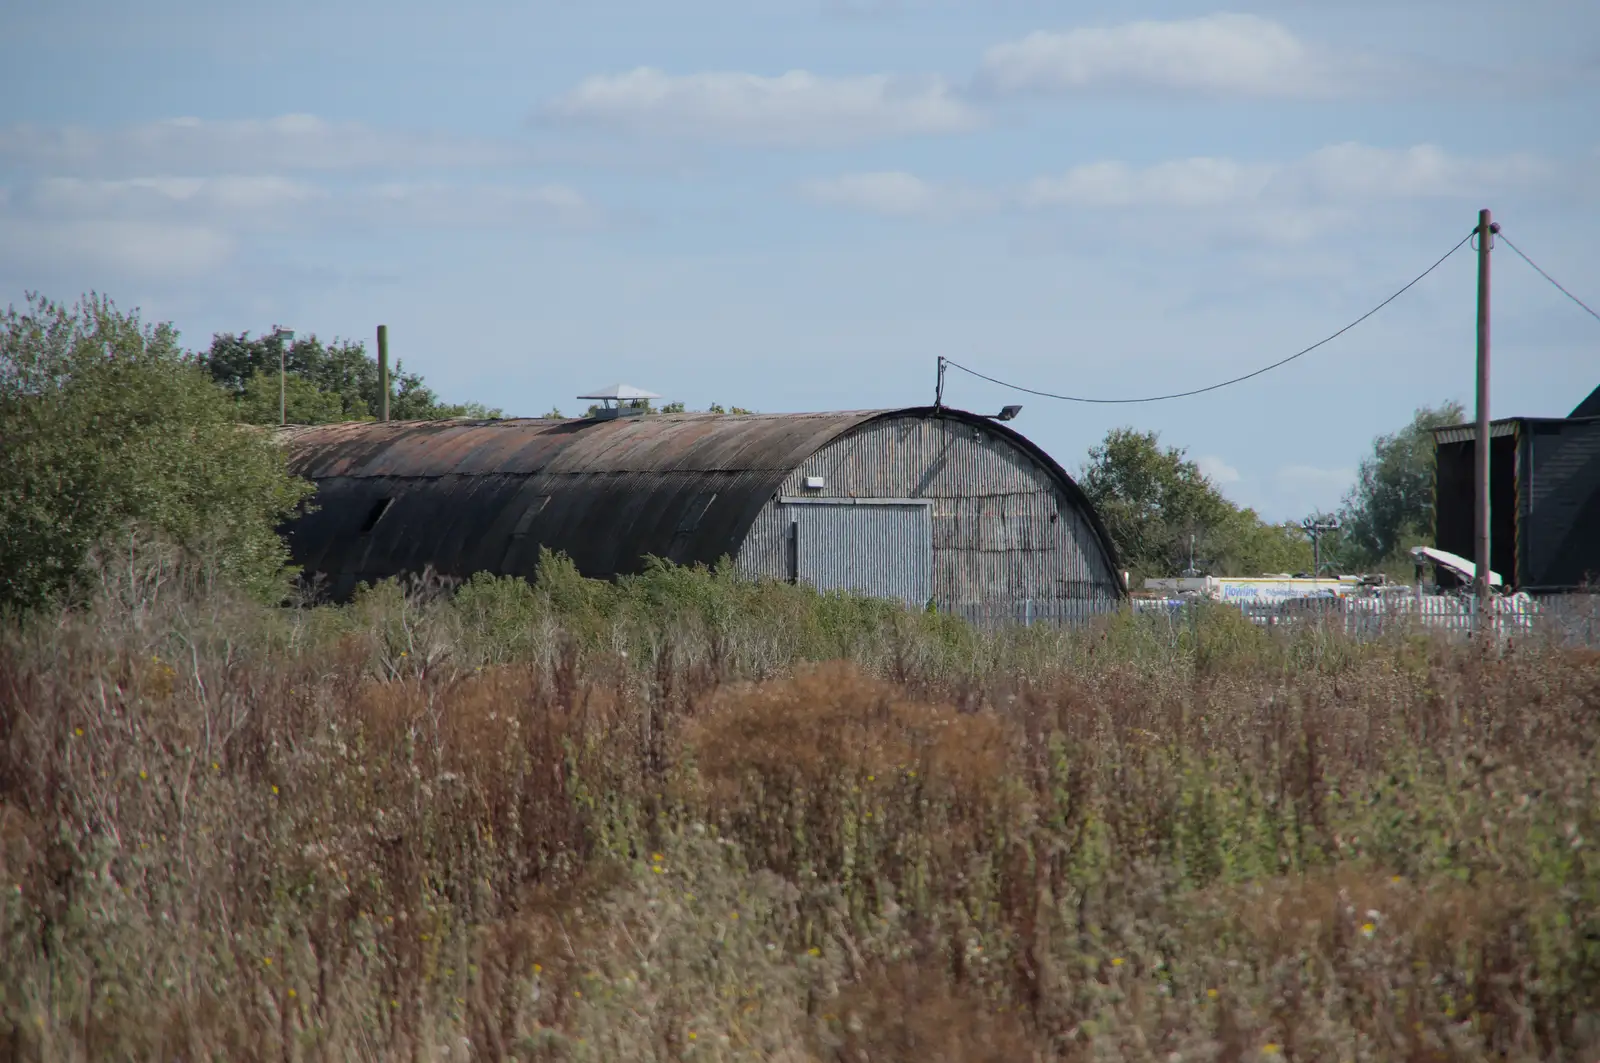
108, 425
644, 404
259, 402
1390, 509
1155, 503
248, 369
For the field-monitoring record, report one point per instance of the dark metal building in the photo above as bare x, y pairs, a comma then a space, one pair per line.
917, 504
1544, 497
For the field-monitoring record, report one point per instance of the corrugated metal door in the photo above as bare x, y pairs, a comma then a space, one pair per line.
884, 550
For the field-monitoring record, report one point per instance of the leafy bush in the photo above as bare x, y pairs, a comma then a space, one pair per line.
107, 427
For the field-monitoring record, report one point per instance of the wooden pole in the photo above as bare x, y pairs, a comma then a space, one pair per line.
383, 372
1486, 231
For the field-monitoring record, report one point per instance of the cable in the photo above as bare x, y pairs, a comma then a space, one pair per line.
1546, 276
1237, 379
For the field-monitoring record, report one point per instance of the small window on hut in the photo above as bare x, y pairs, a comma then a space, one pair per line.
375, 514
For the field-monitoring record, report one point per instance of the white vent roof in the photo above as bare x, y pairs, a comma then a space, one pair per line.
1455, 562
621, 393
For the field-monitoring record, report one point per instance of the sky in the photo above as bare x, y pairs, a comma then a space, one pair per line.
803, 204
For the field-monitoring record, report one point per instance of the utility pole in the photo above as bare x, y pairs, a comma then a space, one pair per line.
1486, 231
383, 372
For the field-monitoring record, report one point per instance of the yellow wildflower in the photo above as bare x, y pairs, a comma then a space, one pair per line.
1116, 961
1368, 929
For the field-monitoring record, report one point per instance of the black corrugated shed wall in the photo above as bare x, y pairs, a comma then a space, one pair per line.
1544, 494
1561, 526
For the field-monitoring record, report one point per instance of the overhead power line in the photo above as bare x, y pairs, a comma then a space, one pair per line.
1507, 241
1237, 379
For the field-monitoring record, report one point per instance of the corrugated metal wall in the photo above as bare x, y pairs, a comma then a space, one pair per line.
1454, 491
1004, 531
885, 551
1561, 523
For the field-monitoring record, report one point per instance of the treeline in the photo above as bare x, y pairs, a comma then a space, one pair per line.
1166, 516
322, 383
109, 425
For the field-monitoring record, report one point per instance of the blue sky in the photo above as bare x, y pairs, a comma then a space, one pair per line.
800, 205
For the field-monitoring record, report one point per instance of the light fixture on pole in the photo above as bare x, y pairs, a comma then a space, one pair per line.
285, 338
1314, 528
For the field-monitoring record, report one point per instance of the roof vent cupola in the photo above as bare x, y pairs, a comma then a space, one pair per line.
619, 400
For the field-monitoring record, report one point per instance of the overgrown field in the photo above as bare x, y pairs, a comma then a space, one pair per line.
692, 819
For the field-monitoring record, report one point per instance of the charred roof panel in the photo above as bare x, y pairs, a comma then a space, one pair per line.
478, 496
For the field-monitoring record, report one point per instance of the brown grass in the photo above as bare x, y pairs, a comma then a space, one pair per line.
232, 834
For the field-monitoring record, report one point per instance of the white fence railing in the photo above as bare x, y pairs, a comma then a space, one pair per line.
1572, 619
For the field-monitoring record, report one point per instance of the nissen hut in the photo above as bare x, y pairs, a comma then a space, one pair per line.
920, 505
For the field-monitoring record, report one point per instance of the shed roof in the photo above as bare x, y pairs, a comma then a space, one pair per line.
1500, 427
468, 496
1589, 407
620, 393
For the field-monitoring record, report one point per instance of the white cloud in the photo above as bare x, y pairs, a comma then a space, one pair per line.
1199, 182
1217, 471
895, 193
1290, 492
1310, 477
1241, 55
793, 108
1357, 171
127, 246
239, 195
441, 203
173, 226
286, 142
1338, 174
1242, 202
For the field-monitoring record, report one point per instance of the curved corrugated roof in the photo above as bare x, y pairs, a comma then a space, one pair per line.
470, 496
